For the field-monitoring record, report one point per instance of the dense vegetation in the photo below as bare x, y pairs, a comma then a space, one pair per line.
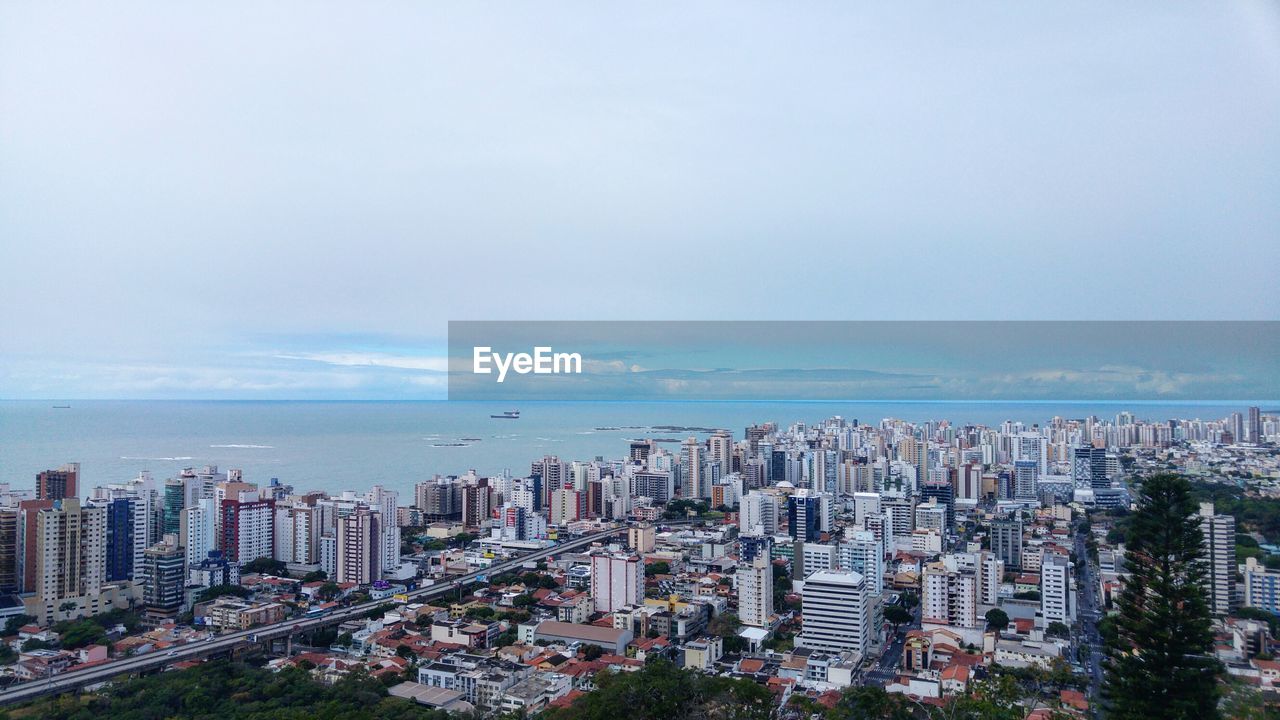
233, 691
1253, 513
661, 691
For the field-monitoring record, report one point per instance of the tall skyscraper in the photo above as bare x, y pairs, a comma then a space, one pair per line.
834, 605
755, 591
1219, 558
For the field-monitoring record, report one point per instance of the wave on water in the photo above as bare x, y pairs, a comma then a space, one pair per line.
180, 457
245, 446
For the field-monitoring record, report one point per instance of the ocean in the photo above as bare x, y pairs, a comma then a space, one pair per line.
334, 446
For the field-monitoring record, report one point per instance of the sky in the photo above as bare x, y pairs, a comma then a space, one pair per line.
291, 200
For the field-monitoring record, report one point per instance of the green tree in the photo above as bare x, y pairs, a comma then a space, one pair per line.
265, 566
1160, 655
660, 567
871, 703
899, 616
1057, 629
14, 623
997, 619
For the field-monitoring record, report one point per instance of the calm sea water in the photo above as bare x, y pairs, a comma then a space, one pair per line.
352, 445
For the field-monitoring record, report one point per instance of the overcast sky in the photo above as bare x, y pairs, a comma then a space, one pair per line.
291, 199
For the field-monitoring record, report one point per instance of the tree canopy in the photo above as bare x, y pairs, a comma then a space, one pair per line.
661, 691
223, 690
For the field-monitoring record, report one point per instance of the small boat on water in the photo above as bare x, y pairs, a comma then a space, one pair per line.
507, 415
61, 407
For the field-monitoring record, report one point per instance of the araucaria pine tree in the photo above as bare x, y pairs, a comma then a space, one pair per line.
1160, 661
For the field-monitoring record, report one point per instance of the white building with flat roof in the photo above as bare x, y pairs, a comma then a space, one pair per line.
834, 608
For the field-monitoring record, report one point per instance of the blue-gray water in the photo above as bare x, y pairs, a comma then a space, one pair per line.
352, 445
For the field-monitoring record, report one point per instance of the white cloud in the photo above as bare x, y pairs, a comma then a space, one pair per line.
371, 359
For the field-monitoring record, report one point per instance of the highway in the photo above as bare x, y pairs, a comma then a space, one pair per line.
225, 643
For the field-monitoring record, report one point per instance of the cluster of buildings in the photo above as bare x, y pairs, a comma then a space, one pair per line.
920, 557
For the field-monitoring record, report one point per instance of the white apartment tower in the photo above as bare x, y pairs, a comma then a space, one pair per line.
1219, 558
1057, 599
616, 581
755, 591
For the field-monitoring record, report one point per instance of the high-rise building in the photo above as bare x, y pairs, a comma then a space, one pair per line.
383, 502
863, 554
653, 484
990, 573
755, 591
694, 484
164, 576
1261, 587
949, 595
1026, 473
835, 608
1219, 558
758, 514
1253, 430
28, 511
476, 506
297, 535
1089, 468
70, 551
359, 547
1057, 599
944, 494
1006, 542
567, 506
441, 499
123, 537
9, 579
247, 530
198, 534
616, 581
809, 515
175, 500
720, 449
58, 484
